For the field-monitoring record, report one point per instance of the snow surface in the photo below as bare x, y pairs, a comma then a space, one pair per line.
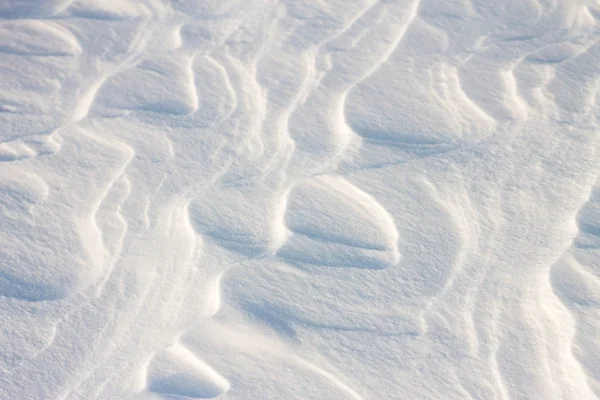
299, 199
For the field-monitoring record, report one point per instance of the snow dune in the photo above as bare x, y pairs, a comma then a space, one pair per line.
299, 199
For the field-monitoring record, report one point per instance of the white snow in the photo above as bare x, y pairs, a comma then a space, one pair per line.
299, 199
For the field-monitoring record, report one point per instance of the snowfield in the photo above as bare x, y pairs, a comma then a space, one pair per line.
299, 199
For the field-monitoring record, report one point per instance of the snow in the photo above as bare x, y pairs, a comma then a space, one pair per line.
299, 199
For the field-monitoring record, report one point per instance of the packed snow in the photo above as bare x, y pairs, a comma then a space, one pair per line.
299, 199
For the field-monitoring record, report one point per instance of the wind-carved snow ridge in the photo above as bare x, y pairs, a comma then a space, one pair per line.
299, 199
336, 224
176, 371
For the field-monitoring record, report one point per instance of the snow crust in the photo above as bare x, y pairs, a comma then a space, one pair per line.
299, 199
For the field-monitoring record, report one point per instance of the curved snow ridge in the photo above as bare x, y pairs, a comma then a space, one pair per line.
107, 10
319, 127
22, 38
334, 223
263, 364
21, 149
178, 372
575, 279
79, 248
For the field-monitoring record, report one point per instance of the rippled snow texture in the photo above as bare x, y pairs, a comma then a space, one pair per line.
299, 199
